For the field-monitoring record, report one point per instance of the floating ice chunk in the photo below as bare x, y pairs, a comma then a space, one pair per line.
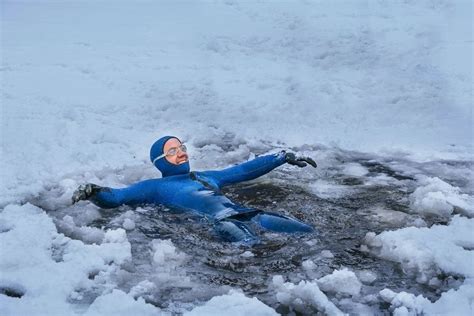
326, 254
247, 254
85, 233
308, 265
341, 281
303, 296
452, 302
437, 197
164, 252
233, 304
128, 224
327, 190
427, 251
355, 169
119, 303
144, 287
367, 277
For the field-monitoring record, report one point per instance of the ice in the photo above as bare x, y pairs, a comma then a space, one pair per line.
50, 267
119, 303
434, 196
367, 276
303, 296
233, 304
165, 252
355, 169
85, 233
342, 281
128, 224
452, 302
144, 287
326, 190
428, 251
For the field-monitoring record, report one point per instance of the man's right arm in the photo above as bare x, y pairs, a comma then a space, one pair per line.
140, 193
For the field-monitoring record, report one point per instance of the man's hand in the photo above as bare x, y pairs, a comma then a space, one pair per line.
85, 192
299, 161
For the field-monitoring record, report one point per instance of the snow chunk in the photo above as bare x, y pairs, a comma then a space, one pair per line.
128, 224
165, 252
341, 281
452, 302
303, 296
355, 169
119, 303
233, 304
326, 254
437, 197
144, 287
426, 251
367, 276
328, 190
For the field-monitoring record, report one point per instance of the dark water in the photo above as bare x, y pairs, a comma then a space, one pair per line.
341, 222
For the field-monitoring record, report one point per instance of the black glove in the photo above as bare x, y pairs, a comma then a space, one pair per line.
85, 192
299, 161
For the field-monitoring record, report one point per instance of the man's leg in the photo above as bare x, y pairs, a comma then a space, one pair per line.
235, 231
280, 223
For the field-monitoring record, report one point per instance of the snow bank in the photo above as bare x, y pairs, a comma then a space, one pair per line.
434, 196
233, 304
303, 297
53, 271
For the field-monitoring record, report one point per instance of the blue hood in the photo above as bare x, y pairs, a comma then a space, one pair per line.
166, 168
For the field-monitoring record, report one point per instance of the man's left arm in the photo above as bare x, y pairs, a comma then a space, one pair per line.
257, 167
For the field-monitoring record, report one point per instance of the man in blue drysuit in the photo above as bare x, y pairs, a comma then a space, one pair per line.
199, 191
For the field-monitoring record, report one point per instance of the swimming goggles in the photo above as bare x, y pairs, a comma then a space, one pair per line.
171, 152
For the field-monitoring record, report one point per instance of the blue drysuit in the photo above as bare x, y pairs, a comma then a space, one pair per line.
200, 192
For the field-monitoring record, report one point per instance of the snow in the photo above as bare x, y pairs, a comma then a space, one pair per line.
119, 303
303, 296
233, 304
165, 252
128, 224
428, 251
452, 302
51, 269
434, 196
355, 169
84, 101
340, 281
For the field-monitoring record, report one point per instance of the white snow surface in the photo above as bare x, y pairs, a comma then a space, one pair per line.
341, 281
88, 86
434, 196
233, 304
51, 269
88, 96
304, 296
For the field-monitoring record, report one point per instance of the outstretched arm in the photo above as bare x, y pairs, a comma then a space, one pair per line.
255, 168
139, 193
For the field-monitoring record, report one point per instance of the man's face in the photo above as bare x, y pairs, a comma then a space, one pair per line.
180, 157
